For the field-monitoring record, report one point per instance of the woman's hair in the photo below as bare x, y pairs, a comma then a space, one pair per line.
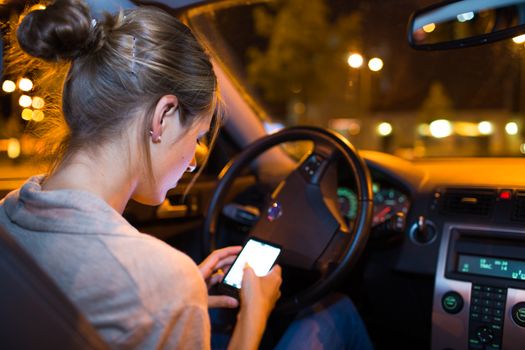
118, 68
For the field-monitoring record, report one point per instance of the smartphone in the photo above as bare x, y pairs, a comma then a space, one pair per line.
260, 255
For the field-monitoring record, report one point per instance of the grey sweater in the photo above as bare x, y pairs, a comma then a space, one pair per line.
137, 291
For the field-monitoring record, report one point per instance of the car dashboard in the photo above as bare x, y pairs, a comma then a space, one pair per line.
463, 228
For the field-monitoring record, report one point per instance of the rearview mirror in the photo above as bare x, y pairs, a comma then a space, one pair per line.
463, 23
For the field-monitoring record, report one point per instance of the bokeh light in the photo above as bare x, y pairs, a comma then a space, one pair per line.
511, 128
384, 129
25, 84
355, 60
485, 128
8, 86
38, 102
375, 64
440, 128
25, 101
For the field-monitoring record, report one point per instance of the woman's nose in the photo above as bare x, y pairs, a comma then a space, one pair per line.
192, 165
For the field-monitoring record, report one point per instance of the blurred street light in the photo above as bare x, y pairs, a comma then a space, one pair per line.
25, 84
375, 64
25, 101
485, 128
429, 28
519, 39
38, 102
13, 148
355, 60
8, 86
467, 16
384, 129
511, 128
38, 116
27, 114
440, 128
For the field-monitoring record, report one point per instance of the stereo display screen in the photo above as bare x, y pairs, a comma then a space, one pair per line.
490, 266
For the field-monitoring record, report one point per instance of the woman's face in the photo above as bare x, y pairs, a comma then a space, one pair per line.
171, 157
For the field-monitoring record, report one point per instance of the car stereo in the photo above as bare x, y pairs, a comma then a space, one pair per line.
479, 294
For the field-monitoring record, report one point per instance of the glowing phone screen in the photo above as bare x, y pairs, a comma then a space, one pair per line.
259, 255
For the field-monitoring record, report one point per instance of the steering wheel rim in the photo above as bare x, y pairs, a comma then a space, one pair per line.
361, 228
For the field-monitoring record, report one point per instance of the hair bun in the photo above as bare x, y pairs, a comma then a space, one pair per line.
62, 31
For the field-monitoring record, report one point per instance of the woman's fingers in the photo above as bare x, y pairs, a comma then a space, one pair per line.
275, 271
215, 278
216, 301
226, 262
217, 259
260, 294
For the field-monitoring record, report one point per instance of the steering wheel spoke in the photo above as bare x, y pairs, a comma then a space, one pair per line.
243, 214
331, 256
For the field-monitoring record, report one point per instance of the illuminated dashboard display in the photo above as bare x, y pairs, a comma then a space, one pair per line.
494, 267
387, 202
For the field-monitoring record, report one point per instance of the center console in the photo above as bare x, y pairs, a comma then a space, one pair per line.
479, 293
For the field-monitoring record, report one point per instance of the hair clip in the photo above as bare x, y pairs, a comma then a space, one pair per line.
133, 53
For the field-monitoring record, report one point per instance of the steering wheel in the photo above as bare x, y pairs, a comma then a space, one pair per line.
299, 217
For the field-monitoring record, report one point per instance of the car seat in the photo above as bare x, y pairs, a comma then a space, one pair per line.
34, 313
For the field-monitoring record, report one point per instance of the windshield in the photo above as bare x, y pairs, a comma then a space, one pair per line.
346, 65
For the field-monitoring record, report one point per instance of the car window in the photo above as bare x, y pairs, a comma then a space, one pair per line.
346, 65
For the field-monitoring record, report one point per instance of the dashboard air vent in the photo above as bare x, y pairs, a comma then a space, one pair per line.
518, 213
468, 201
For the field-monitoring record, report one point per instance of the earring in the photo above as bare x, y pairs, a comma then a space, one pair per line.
191, 168
158, 139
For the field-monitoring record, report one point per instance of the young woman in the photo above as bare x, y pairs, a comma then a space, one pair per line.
138, 94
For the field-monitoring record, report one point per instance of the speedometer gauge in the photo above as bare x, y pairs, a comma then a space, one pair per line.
347, 200
387, 202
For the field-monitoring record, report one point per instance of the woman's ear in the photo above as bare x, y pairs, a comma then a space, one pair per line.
167, 104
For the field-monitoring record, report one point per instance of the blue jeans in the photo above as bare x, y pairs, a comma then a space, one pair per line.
332, 323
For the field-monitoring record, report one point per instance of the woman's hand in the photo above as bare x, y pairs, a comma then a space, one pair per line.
213, 269
259, 294
258, 297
